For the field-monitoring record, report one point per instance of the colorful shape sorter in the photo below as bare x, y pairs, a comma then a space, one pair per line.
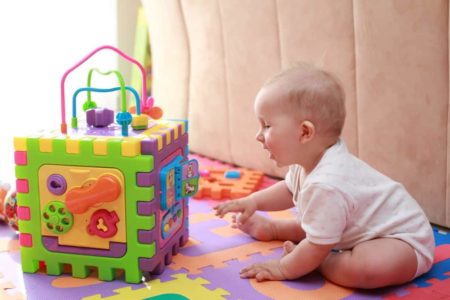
108, 196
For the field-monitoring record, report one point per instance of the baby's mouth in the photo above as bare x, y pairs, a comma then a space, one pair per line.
270, 153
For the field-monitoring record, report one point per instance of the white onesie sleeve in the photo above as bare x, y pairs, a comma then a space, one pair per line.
323, 213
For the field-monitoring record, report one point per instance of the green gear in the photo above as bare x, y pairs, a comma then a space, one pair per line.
57, 218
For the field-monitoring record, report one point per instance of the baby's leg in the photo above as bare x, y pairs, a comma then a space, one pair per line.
371, 264
265, 229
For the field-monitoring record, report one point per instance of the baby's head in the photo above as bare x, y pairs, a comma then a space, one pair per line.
303, 104
313, 94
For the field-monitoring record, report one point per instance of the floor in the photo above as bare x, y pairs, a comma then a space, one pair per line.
208, 268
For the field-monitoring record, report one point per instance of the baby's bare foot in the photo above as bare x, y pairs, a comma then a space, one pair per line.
258, 227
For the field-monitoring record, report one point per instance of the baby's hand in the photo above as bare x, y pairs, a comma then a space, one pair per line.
269, 270
245, 206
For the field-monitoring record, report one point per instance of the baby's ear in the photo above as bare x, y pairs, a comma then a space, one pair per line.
307, 131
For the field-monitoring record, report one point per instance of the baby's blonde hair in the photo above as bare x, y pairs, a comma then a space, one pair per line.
316, 93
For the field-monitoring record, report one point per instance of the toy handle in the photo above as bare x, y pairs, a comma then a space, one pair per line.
143, 101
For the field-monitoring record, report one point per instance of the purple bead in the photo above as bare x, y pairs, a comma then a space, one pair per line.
99, 117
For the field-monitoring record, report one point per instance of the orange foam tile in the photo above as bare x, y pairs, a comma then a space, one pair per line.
215, 185
216, 259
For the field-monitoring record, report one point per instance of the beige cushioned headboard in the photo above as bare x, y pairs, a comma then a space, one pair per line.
211, 57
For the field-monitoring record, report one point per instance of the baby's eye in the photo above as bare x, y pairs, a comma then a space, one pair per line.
266, 126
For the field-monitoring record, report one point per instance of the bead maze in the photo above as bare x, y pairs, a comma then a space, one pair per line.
109, 193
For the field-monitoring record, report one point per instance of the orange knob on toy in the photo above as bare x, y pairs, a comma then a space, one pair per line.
106, 189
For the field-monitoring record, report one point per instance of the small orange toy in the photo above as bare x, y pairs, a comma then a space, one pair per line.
225, 183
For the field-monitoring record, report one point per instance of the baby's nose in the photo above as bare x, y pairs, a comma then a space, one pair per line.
259, 137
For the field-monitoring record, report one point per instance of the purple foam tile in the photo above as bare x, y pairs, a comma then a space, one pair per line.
39, 286
380, 293
211, 242
242, 289
237, 287
7, 232
199, 206
15, 256
309, 282
165, 276
363, 296
10, 271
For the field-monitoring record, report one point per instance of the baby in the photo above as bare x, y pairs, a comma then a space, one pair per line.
358, 227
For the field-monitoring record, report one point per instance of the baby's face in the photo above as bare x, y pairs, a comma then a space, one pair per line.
278, 132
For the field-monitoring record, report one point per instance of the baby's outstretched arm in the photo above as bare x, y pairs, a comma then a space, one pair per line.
274, 198
299, 261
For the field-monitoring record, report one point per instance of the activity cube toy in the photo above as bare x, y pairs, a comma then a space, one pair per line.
108, 195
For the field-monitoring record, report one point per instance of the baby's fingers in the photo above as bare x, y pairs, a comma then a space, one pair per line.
220, 210
234, 220
224, 208
243, 217
249, 272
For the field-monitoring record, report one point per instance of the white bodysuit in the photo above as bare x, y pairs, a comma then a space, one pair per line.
345, 201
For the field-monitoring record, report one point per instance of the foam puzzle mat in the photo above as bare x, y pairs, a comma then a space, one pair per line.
208, 268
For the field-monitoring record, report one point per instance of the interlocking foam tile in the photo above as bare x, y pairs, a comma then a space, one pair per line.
181, 287
436, 290
208, 268
215, 185
38, 285
7, 290
442, 237
441, 265
311, 285
216, 259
